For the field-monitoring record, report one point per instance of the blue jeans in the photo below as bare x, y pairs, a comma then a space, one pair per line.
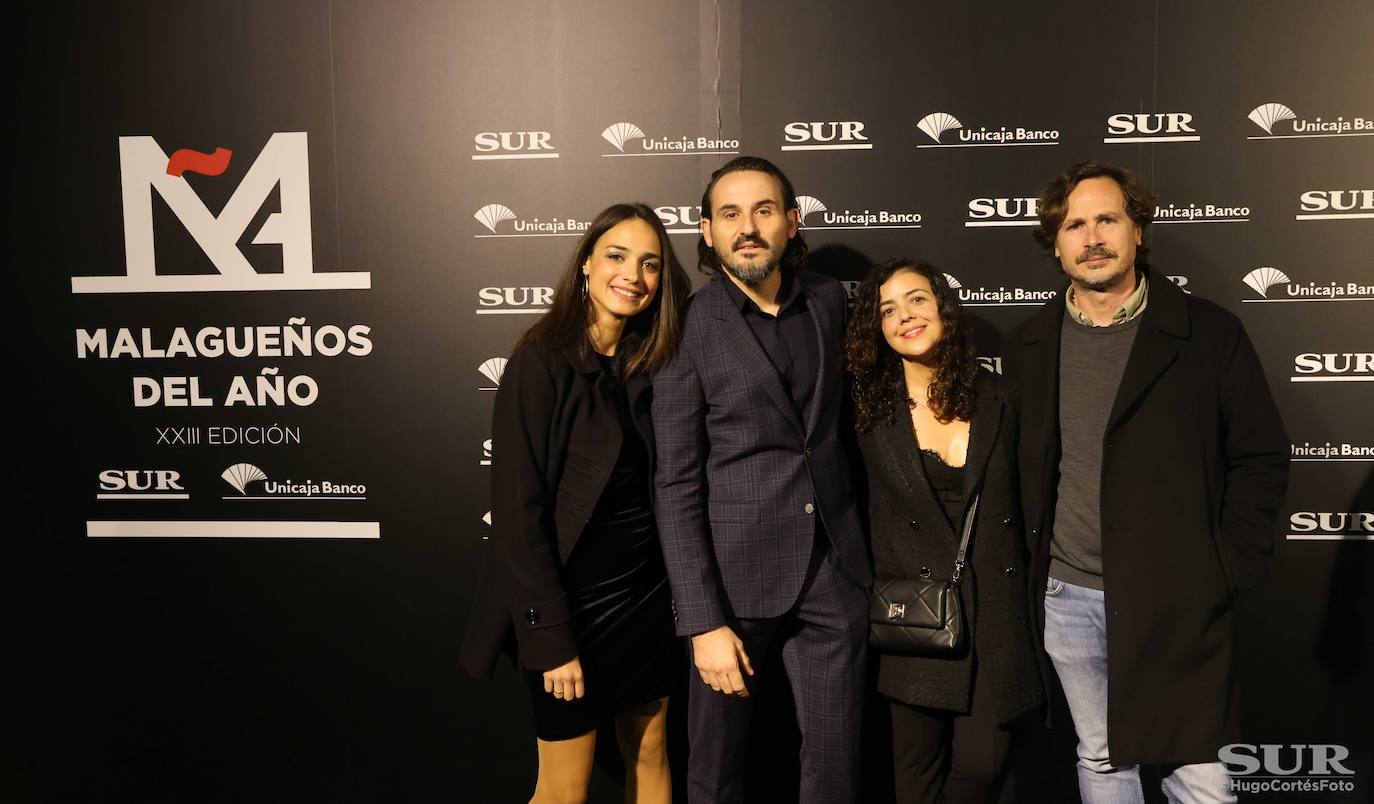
1076, 640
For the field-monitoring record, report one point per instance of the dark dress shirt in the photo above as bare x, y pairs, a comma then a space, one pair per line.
788, 338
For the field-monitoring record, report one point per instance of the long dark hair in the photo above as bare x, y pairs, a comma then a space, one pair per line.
879, 385
793, 256
656, 329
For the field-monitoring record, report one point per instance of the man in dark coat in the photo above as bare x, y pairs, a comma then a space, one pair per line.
1153, 464
759, 523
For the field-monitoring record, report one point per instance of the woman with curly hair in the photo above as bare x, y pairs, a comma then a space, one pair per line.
935, 430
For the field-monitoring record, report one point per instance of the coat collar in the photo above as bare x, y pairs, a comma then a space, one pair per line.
1164, 327
898, 441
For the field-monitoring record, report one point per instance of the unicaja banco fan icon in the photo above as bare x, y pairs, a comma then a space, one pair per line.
938, 123
241, 474
618, 134
1267, 114
493, 368
807, 204
1261, 279
492, 214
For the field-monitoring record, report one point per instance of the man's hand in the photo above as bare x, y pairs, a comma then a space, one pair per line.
565, 681
719, 655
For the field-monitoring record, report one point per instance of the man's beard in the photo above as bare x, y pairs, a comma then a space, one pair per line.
1101, 282
750, 273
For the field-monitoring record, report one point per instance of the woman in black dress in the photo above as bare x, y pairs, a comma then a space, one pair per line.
934, 430
577, 579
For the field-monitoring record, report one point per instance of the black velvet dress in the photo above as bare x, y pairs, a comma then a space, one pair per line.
948, 484
618, 594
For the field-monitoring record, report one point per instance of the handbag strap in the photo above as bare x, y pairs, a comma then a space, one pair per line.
963, 541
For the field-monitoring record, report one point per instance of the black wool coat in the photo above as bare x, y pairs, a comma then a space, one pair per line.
911, 537
1194, 470
556, 436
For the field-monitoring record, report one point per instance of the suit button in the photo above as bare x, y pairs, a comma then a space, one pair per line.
1010, 572
1009, 522
914, 525
808, 452
809, 508
925, 572
532, 616
1035, 531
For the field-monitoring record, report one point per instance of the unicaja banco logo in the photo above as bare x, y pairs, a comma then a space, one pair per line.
241, 474
1000, 296
492, 215
629, 139
808, 205
618, 134
1270, 116
1261, 279
1265, 280
1267, 114
283, 163
493, 368
938, 123
935, 124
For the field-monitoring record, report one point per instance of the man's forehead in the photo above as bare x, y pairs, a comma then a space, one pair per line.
1096, 193
746, 187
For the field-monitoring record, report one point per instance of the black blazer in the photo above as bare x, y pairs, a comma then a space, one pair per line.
556, 436
741, 477
911, 537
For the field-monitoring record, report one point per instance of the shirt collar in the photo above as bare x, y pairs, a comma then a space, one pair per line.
791, 292
1129, 309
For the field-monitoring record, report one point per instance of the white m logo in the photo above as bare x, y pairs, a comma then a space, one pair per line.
284, 161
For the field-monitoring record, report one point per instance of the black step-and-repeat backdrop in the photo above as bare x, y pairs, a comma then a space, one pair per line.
275, 255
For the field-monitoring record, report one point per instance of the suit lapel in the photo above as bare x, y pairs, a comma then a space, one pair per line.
1162, 326
739, 341
828, 358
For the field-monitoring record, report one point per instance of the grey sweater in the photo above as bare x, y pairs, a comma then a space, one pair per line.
1091, 362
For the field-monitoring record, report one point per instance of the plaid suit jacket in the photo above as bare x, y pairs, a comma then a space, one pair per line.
741, 478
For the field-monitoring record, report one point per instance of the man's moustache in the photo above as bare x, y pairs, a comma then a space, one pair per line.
1094, 253
739, 244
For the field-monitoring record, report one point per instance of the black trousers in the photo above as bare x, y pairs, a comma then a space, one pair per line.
823, 643
944, 757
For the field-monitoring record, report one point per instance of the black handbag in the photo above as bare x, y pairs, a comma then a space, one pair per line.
921, 616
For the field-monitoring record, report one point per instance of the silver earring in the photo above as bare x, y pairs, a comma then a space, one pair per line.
584, 287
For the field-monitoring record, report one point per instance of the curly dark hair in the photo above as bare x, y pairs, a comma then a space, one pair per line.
793, 256
1053, 204
879, 385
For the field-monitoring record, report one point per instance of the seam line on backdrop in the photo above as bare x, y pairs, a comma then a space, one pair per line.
334, 133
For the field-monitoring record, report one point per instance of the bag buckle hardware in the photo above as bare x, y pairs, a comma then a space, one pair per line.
896, 611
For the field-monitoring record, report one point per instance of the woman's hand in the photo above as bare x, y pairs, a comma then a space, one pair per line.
565, 681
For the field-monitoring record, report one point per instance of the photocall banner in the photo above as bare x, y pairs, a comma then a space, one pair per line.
277, 255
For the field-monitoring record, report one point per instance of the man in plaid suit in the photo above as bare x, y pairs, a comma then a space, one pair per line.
756, 511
